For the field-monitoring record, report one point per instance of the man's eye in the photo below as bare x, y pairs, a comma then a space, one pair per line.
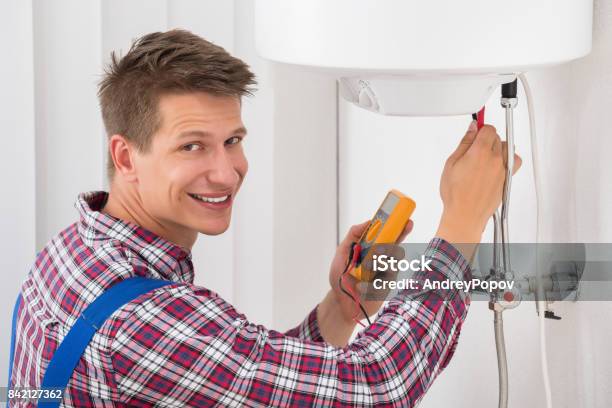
233, 140
191, 147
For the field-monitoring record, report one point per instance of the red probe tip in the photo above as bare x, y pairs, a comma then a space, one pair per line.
480, 118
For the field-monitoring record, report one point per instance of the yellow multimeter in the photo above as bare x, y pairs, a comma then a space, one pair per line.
385, 228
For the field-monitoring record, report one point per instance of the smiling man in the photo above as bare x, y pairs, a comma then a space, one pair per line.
172, 111
185, 180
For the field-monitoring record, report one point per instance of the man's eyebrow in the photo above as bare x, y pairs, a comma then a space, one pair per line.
199, 133
240, 131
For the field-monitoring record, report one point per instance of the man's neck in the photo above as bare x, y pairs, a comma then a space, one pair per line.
127, 206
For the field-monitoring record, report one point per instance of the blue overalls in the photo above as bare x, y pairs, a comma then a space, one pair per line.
71, 349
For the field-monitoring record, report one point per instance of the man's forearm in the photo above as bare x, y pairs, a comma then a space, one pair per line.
333, 326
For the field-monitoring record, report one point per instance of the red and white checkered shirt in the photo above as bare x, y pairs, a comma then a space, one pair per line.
183, 345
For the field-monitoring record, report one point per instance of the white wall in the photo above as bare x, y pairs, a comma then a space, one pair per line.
17, 170
53, 54
572, 104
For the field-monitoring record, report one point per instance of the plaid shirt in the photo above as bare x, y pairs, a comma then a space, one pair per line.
183, 345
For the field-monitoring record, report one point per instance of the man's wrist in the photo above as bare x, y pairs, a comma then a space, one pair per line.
335, 328
458, 228
463, 233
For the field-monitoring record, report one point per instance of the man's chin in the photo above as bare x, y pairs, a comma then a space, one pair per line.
213, 229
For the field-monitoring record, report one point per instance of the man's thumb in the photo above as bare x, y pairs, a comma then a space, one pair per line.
355, 232
466, 142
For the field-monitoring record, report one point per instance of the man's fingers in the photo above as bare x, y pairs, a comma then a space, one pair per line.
518, 162
465, 142
391, 250
517, 159
498, 146
407, 230
486, 137
355, 232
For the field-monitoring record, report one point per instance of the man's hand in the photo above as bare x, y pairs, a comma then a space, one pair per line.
472, 186
351, 284
336, 311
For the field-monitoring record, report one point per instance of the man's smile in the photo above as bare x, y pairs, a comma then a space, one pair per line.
216, 201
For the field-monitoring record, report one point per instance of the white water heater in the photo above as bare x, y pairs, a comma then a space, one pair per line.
422, 58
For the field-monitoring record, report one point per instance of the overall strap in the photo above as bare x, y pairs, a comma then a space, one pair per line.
69, 352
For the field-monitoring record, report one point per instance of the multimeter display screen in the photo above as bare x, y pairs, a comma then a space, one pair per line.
389, 204
379, 219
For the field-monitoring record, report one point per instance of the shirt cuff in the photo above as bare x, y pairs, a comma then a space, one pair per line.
458, 267
450, 264
308, 329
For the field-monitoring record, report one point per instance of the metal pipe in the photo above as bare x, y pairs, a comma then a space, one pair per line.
508, 104
497, 266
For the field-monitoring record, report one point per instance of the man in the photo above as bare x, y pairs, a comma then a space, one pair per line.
172, 110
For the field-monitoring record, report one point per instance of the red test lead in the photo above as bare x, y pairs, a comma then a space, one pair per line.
479, 118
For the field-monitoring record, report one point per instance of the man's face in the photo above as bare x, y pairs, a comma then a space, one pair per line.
192, 172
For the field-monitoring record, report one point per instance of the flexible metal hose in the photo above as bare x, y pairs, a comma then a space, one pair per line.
502, 365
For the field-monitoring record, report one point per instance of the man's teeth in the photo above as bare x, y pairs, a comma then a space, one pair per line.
209, 199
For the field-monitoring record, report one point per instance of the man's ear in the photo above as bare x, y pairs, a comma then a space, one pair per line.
122, 153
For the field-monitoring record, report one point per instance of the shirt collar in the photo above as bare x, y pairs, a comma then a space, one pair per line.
171, 261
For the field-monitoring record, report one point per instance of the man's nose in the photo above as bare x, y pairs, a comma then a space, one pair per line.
222, 171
